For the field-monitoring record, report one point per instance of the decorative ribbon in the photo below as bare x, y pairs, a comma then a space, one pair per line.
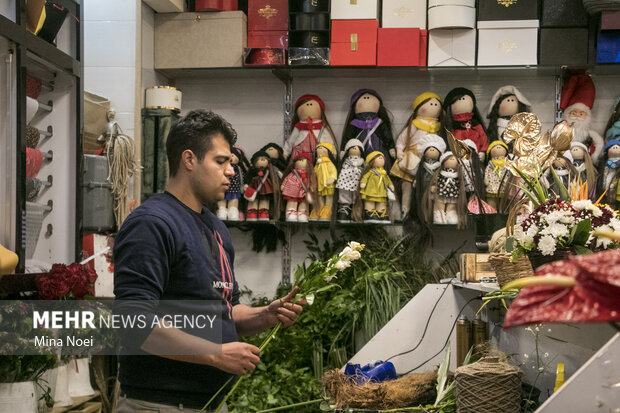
464, 119
365, 124
498, 165
431, 166
612, 163
450, 174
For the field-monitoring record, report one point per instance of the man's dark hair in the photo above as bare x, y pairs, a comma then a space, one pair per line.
194, 132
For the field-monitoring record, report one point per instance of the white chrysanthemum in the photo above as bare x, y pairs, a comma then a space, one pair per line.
522, 238
546, 245
603, 241
582, 204
532, 231
554, 216
558, 230
615, 224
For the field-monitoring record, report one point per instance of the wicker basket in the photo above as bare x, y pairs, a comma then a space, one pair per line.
537, 259
507, 271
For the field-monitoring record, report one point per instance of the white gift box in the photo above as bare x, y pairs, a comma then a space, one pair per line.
404, 14
354, 9
451, 14
452, 47
166, 6
507, 42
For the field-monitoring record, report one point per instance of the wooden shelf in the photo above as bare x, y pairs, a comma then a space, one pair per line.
79, 404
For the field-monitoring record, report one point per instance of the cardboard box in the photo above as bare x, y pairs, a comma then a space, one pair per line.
508, 10
553, 50
608, 47
355, 9
452, 47
451, 14
354, 43
309, 6
475, 266
310, 21
610, 20
216, 5
507, 42
563, 13
404, 13
401, 47
201, 39
166, 6
268, 39
268, 15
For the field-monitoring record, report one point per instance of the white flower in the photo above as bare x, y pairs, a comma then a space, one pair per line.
615, 224
558, 230
328, 278
554, 216
532, 231
310, 299
349, 254
603, 241
588, 206
546, 245
356, 246
523, 238
342, 264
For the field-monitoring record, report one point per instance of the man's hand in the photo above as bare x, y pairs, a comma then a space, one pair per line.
237, 358
286, 310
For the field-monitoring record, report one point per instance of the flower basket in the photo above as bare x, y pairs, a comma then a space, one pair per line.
537, 259
507, 271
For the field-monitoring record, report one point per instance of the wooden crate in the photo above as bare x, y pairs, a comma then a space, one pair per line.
474, 267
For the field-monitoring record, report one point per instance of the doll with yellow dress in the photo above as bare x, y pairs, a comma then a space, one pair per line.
495, 172
326, 176
376, 188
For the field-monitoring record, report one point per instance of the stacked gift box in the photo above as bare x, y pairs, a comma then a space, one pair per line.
401, 39
563, 33
309, 28
451, 32
268, 36
608, 41
354, 32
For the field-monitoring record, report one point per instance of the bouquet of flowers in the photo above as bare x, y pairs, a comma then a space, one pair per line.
63, 282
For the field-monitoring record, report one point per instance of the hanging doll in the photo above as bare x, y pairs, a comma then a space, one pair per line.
610, 167
495, 172
349, 177
369, 122
444, 201
463, 119
326, 176
262, 186
583, 164
506, 102
564, 169
309, 127
375, 189
425, 119
276, 153
612, 130
229, 207
299, 188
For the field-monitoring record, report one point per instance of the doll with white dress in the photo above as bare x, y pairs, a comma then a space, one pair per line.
299, 188
506, 102
495, 173
349, 177
444, 202
229, 207
309, 127
374, 189
262, 189
326, 176
582, 161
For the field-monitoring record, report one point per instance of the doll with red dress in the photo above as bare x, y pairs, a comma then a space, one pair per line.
262, 189
229, 207
326, 176
299, 188
309, 127
463, 119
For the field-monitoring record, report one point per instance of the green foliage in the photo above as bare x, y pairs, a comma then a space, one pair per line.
340, 321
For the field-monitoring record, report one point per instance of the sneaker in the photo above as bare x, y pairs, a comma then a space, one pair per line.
263, 214
373, 217
325, 214
222, 213
252, 215
233, 214
291, 215
384, 218
302, 216
344, 213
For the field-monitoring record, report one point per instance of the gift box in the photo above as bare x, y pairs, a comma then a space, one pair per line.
309, 6
201, 39
216, 5
608, 46
167, 6
401, 47
508, 10
309, 21
268, 39
268, 15
264, 56
403, 13
308, 56
309, 38
507, 42
610, 20
354, 43
554, 50
355, 9
451, 14
563, 13
452, 47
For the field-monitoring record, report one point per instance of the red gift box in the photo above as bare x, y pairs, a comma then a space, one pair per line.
267, 15
216, 5
268, 39
610, 20
354, 43
401, 47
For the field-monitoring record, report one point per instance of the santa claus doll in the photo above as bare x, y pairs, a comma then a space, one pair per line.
576, 103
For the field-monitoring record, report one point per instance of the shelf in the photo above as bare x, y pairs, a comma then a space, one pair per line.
484, 287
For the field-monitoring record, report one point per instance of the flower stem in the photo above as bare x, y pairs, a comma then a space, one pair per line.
275, 409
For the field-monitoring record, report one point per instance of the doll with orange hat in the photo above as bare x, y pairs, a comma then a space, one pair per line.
326, 176
425, 119
262, 189
299, 188
463, 119
369, 122
374, 188
495, 173
309, 127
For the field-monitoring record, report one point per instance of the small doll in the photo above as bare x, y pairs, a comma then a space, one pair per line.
608, 180
262, 186
444, 201
425, 119
309, 127
506, 102
276, 153
374, 190
326, 176
299, 188
349, 178
229, 207
369, 122
582, 161
495, 172
463, 119
612, 130
564, 169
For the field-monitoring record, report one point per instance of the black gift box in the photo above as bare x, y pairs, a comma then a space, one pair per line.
309, 39
309, 6
309, 21
563, 46
563, 13
508, 10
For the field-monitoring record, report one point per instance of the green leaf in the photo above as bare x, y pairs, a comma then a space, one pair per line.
581, 250
442, 375
510, 244
581, 232
563, 191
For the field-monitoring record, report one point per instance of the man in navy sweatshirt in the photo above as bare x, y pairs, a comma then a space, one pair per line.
172, 249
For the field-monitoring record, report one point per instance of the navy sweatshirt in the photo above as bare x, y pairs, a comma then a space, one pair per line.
166, 251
